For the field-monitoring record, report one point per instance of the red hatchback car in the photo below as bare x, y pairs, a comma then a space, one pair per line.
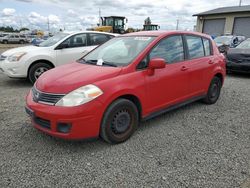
128, 79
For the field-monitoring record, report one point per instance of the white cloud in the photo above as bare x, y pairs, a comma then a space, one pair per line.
53, 19
8, 11
35, 18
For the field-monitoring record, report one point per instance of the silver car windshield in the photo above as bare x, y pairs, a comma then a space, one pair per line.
244, 45
53, 40
119, 51
223, 40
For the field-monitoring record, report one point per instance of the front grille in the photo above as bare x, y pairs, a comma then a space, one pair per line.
2, 57
42, 122
45, 98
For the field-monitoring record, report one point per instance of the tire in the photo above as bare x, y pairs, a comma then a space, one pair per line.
21, 42
5, 42
213, 93
122, 31
37, 70
120, 121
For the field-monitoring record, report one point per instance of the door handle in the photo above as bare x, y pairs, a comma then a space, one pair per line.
184, 68
211, 62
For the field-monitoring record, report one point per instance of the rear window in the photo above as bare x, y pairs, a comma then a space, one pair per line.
195, 47
207, 47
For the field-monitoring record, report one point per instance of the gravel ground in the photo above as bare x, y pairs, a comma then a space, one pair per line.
194, 146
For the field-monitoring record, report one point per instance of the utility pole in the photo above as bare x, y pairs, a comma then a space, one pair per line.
99, 17
177, 24
48, 26
240, 3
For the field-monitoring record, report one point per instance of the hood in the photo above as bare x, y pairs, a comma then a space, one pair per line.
69, 77
21, 49
238, 55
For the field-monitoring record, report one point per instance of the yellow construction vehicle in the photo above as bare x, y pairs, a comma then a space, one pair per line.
148, 26
112, 24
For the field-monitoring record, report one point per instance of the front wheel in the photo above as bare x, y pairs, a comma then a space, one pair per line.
119, 121
37, 70
213, 91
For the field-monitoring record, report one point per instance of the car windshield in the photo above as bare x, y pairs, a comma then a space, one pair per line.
223, 40
118, 51
53, 40
244, 45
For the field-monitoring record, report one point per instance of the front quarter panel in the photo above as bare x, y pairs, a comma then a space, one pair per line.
126, 84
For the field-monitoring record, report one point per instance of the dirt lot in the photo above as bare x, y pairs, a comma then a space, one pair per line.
194, 146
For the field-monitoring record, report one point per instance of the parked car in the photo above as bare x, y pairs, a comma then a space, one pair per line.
2, 35
14, 38
130, 78
32, 61
238, 59
228, 41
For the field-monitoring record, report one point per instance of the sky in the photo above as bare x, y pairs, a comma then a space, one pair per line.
75, 15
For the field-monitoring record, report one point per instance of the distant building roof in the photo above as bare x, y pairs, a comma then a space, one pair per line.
225, 10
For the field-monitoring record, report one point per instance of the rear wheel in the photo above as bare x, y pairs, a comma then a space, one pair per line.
119, 121
37, 70
213, 91
21, 42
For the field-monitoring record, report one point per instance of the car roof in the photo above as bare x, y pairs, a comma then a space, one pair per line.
164, 33
79, 32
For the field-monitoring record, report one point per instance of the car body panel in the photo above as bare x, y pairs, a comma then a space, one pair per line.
238, 60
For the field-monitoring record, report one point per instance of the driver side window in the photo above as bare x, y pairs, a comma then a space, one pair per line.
170, 49
79, 40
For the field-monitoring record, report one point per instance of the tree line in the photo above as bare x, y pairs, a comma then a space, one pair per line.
10, 29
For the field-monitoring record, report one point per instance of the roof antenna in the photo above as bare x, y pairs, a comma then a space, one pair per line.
240, 3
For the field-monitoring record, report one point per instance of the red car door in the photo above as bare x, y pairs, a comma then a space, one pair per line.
169, 85
200, 64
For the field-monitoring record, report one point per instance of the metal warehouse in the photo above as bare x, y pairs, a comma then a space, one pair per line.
223, 21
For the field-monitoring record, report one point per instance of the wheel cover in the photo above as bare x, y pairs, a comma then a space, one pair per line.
39, 71
121, 122
214, 90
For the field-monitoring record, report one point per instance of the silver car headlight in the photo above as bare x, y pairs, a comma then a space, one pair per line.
80, 96
16, 56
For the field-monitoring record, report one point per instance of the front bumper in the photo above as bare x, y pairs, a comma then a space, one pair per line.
13, 69
84, 120
238, 67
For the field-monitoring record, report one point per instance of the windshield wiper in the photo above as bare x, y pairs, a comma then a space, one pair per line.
92, 62
109, 64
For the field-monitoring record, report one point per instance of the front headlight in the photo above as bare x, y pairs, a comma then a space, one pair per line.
80, 96
16, 56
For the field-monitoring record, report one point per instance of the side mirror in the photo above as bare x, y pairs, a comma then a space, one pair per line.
62, 46
156, 63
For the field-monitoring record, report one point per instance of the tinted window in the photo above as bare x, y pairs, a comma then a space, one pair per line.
77, 41
170, 49
195, 47
97, 39
207, 48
